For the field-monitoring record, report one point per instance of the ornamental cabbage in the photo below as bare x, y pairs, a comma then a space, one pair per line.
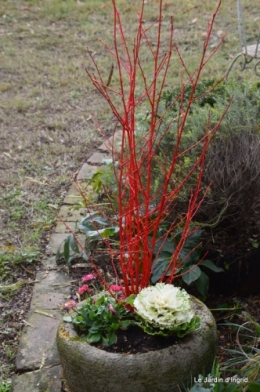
165, 309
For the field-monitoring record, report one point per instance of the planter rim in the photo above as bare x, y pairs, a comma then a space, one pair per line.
87, 368
197, 305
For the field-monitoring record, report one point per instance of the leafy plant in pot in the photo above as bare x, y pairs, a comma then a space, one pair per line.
162, 309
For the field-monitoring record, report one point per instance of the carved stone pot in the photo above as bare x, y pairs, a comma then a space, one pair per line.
89, 369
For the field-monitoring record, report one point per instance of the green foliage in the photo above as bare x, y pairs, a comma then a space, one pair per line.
16, 208
69, 248
4, 265
217, 381
210, 384
26, 257
254, 387
98, 320
255, 244
5, 386
211, 99
231, 180
203, 95
103, 180
175, 102
96, 181
10, 195
189, 258
88, 225
10, 352
247, 357
181, 330
12, 259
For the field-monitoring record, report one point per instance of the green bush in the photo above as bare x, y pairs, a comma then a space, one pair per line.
232, 172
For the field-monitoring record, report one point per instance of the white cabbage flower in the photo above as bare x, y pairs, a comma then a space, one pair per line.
164, 306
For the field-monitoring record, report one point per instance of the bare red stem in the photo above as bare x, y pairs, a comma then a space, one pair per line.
137, 201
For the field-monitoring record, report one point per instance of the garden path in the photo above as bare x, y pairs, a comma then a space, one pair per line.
37, 362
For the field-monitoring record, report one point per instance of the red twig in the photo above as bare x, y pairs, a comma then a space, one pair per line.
140, 213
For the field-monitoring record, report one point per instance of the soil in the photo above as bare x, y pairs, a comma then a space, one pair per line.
134, 340
13, 317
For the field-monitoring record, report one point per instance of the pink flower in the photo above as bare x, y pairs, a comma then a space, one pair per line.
115, 287
83, 289
121, 298
70, 304
87, 278
111, 309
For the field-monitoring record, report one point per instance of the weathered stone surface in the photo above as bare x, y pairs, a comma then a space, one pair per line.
56, 241
86, 171
112, 142
89, 369
52, 282
106, 146
98, 158
50, 263
73, 197
47, 301
37, 345
70, 215
61, 228
37, 348
43, 380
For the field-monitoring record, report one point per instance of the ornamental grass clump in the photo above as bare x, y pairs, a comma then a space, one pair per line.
231, 169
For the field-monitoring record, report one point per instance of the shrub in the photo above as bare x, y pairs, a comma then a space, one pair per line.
141, 208
231, 178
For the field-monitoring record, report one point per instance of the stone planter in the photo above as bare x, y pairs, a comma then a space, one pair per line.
89, 369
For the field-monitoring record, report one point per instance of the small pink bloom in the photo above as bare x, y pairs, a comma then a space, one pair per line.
70, 304
87, 278
84, 289
115, 287
111, 309
121, 298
